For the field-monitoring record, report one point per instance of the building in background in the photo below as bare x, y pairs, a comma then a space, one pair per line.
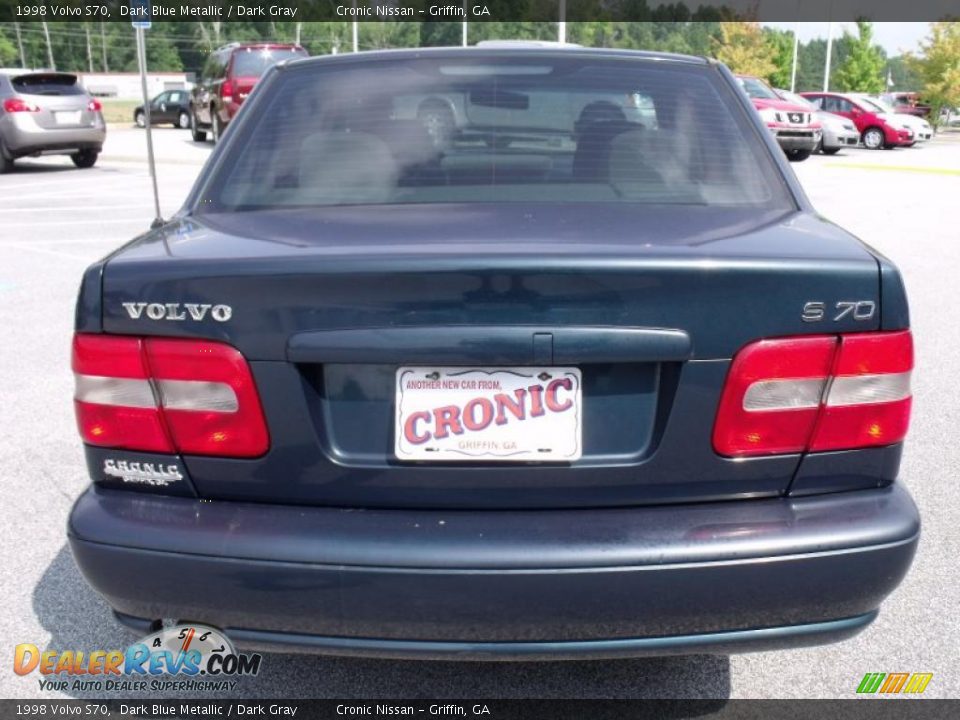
126, 86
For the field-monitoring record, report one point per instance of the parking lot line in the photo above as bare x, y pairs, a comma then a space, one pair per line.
79, 208
901, 168
47, 251
98, 243
97, 194
24, 180
98, 221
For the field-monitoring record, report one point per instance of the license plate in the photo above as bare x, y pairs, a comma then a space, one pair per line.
512, 414
67, 118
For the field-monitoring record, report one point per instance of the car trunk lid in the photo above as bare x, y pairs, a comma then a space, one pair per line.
62, 102
329, 304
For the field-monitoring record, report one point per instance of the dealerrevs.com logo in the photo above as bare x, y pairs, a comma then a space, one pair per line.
182, 657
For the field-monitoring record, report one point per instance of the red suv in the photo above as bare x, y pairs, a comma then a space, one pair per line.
796, 129
908, 103
227, 78
877, 128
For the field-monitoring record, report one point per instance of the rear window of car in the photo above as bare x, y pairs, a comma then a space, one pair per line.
253, 62
533, 128
797, 100
877, 105
757, 89
47, 84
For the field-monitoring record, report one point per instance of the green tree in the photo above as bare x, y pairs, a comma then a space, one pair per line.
938, 67
437, 33
780, 43
9, 57
324, 38
381, 35
862, 70
743, 49
902, 74
599, 34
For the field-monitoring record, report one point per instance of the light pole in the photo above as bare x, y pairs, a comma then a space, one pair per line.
142, 62
355, 30
796, 48
826, 68
562, 25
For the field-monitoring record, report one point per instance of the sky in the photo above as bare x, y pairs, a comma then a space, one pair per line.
894, 37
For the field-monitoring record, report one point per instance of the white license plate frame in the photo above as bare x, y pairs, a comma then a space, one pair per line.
67, 117
488, 414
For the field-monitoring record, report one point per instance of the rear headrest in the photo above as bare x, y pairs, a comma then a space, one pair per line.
638, 157
347, 166
409, 142
600, 111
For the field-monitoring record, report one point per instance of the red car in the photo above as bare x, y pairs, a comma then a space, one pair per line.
228, 76
877, 128
796, 129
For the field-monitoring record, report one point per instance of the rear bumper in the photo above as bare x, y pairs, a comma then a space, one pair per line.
841, 139
21, 139
719, 577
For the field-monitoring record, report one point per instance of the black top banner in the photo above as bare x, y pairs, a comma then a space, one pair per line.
27, 11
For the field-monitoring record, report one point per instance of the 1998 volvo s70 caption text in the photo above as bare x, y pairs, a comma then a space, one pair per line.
573, 370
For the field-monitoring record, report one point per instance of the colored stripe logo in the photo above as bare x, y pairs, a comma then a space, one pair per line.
894, 683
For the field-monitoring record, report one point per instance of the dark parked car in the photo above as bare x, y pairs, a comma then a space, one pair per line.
227, 78
48, 113
607, 389
169, 107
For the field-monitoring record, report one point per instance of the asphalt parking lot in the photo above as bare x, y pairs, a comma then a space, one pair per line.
56, 220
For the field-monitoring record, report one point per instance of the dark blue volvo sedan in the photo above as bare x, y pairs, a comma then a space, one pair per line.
496, 353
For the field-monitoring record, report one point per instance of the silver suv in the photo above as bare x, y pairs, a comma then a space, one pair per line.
48, 113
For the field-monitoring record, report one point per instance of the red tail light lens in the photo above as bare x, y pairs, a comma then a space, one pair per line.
94, 105
209, 399
167, 396
816, 393
226, 90
868, 402
15, 105
114, 399
772, 396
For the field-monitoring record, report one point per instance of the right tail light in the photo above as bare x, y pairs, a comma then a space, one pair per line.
816, 393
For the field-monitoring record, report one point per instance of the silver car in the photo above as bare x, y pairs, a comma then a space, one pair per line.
922, 130
48, 113
838, 131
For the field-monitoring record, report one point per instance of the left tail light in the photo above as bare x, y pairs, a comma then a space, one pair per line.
816, 393
162, 395
16, 105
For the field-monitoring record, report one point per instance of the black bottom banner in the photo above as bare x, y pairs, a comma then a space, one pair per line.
872, 709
